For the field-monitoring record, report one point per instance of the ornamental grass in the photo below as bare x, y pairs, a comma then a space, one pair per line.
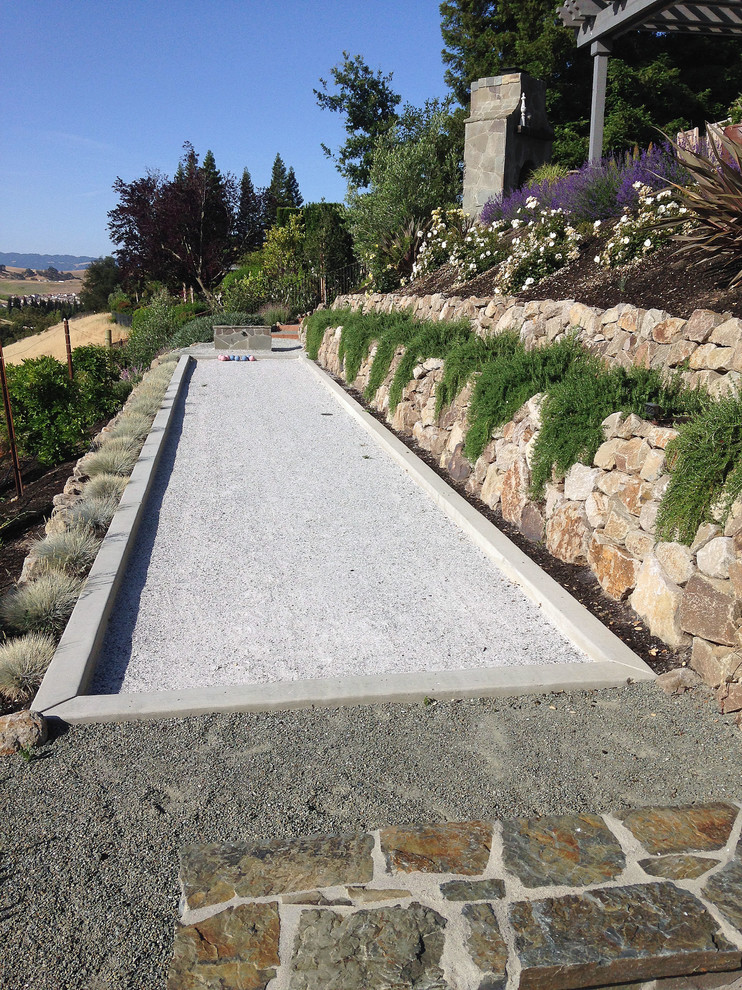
43, 605
23, 663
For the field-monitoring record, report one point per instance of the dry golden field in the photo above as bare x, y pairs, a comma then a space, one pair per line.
83, 330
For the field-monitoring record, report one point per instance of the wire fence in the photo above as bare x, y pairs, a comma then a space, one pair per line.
305, 294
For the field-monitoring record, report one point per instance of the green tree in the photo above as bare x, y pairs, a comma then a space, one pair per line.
655, 81
368, 104
277, 193
101, 278
250, 224
413, 171
292, 189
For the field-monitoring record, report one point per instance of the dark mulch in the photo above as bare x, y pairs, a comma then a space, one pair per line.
22, 519
661, 281
579, 581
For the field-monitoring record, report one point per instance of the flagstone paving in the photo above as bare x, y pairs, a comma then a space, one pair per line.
552, 903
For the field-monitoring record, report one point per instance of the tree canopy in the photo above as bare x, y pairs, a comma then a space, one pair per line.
369, 104
183, 229
101, 278
655, 81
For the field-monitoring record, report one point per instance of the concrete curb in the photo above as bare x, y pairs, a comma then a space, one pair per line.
335, 692
568, 615
74, 660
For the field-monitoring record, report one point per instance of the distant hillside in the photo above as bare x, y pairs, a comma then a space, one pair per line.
62, 262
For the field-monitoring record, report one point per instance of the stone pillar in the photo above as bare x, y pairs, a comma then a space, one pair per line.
507, 136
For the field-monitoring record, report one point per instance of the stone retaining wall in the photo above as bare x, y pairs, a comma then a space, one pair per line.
601, 515
706, 348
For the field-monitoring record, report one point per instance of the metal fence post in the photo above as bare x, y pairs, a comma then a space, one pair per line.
69, 348
9, 422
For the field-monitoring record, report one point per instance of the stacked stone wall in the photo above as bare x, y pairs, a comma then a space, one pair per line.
706, 349
602, 515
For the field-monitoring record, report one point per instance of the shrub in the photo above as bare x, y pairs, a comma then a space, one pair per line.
72, 550
510, 379
714, 200
597, 191
706, 470
43, 605
23, 663
575, 407
412, 173
152, 328
638, 234
545, 241
273, 314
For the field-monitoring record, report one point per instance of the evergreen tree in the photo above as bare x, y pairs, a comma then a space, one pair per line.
276, 192
369, 105
292, 190
250, 223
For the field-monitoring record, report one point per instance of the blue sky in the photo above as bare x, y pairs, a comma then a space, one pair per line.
94, 90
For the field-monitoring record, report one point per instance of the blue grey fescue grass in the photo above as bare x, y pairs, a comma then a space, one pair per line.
105, 486
72, 550
43, 605
96, 511
114, 457
23, 663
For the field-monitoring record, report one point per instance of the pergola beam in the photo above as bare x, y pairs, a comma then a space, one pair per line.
620, 16
598, 22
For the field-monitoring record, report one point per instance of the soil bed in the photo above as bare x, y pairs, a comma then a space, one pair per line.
661, 281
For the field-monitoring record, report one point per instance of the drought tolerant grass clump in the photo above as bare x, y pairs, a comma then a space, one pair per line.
72, 550
706, 470
105, 486
131, 425
43, 605
118, 456
576, 405
147, 403
96, 511
23, 663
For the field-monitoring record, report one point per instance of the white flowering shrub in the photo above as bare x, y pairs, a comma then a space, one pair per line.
441, 243
543, 243
537, 242
453, 239
639, 234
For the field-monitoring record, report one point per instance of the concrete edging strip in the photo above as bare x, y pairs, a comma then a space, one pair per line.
333, 692
75, 657
568, 615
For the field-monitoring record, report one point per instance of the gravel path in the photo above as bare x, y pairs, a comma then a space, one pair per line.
89, 833
281, 543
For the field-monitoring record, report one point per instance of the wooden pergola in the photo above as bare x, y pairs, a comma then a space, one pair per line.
598, 23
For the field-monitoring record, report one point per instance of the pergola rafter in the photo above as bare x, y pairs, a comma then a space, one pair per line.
598, 23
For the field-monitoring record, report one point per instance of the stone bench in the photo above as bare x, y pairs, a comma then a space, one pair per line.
231, 339
552, 903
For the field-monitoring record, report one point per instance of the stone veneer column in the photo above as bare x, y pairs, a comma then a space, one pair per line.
500, 141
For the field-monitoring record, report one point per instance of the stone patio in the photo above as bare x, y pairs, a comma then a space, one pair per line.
551, 903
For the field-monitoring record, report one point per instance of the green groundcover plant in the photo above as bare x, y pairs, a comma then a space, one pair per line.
578, 392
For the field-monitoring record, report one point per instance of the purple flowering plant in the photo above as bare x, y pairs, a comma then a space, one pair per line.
597, 191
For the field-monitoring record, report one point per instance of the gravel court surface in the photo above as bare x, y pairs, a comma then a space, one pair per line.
283, 544
90, 831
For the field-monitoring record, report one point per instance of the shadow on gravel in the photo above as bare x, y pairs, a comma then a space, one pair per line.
115, 652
